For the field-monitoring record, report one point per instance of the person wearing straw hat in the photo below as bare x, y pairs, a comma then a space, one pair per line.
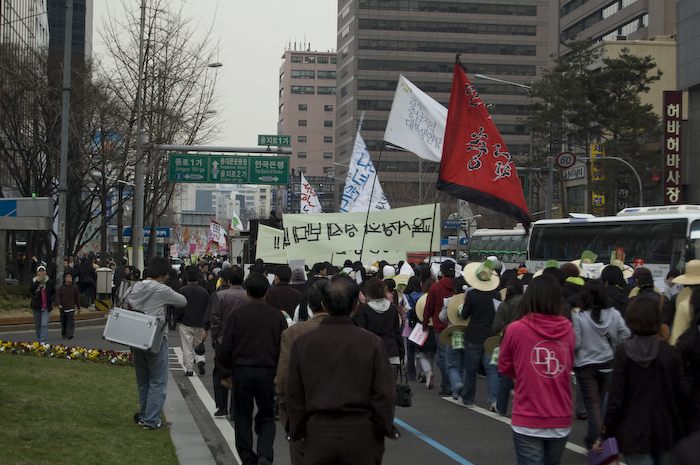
690, 279
440, 291
453, 338
480, 308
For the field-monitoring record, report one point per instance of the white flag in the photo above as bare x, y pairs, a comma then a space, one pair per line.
217, 235
236, 224
309, 200
416, 122
358, 195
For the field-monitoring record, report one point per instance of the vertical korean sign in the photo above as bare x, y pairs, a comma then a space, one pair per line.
597, 199
673, 115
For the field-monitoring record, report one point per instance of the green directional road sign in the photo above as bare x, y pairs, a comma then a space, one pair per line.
279, 141
228, 169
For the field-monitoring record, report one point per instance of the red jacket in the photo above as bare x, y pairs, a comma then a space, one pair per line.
439, 291
538, 351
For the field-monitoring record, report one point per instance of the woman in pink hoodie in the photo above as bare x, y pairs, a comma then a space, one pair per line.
538, 351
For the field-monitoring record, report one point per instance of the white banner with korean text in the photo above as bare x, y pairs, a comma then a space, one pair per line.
271, 249
362, 188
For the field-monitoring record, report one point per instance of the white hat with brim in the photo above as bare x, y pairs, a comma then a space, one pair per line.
420, 306
453, 310
691, 277
481, 276
445, 335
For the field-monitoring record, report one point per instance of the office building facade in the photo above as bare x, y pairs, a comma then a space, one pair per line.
379, 40
307, 99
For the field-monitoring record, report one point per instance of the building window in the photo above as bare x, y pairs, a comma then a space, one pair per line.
327, 107
310, 59
301, 138
297, 59
302, 122
281, 108
302, 90
302, 107
327, 154
303, 73
301, 169
328, 139
263, 197
328, 124
333, 60
323, 60
326, 74
325, 90
301, 154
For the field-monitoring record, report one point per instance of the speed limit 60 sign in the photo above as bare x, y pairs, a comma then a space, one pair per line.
565, 160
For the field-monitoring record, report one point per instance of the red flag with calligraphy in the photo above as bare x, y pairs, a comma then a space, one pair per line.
476, 165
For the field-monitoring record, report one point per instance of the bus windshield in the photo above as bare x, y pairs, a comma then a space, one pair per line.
660, 242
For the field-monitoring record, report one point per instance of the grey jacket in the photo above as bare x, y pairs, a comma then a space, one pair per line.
151, 297
592, 346
223, 303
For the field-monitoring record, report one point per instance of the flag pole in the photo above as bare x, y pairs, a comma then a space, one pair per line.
432, 232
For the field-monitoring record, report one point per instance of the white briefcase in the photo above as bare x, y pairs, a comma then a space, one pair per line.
134, 329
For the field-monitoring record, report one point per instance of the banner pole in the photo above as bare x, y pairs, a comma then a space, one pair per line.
432, 233
371, 196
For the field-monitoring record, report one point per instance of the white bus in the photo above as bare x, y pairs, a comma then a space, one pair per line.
663, 237
509, 245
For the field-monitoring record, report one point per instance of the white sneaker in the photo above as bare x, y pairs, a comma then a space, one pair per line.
493, 407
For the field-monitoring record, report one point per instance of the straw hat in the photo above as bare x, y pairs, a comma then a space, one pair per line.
491, 343
691, 277
481, 276
446, 334
420, 306
453, 310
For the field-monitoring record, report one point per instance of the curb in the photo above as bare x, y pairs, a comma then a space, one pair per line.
27, 324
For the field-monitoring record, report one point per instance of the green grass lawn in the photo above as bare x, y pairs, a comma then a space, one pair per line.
57, 411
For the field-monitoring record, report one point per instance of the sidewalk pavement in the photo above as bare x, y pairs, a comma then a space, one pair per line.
189, 443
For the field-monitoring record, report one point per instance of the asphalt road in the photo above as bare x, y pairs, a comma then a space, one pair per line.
434, 430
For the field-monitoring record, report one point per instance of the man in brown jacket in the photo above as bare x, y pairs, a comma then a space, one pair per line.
340, 387
289, 335
68, 301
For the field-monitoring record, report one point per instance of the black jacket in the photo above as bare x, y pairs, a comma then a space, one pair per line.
385, 325
36, 295
689, 345
193, 313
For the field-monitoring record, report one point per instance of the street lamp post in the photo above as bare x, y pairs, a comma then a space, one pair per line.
639, 180
550, 158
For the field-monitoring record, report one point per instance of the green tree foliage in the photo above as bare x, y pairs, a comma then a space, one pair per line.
577, 103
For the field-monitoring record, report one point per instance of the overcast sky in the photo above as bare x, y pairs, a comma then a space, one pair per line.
252, 37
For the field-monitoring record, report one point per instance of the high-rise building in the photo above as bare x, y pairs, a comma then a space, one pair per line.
378, 40
307, 94
616, 20
24, 23
81, 43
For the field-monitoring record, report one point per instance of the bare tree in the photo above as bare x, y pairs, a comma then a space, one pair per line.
178, 90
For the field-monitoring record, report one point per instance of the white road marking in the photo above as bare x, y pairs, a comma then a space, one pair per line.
569, 445
223, 424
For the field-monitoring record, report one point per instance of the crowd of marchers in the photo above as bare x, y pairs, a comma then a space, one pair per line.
323, 349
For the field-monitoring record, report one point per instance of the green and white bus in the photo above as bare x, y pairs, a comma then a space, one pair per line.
509, 245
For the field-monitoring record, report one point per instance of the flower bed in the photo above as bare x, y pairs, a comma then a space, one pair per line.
69, 353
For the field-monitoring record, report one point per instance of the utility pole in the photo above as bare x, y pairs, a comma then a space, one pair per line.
63, 165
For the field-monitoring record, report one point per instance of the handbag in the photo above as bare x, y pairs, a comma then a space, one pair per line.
610, 454
199, 349
403, 391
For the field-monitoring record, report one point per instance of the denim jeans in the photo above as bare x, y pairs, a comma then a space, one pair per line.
593, 380
440, 361
41, 324
152, 382
538, 451
455, 361
474, 351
